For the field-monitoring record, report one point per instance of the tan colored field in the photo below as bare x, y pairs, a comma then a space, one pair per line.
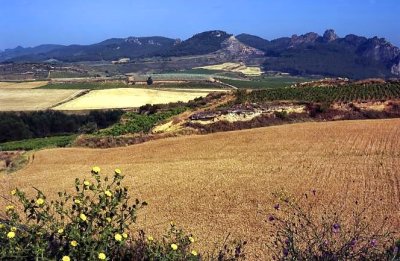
217, 184
22, 85
234, 67
28, 100
128, 98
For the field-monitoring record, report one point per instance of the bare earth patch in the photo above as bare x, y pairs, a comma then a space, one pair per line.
217, 184
128, 98
33, 99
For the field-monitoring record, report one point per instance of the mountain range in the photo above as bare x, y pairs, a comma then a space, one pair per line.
309, 54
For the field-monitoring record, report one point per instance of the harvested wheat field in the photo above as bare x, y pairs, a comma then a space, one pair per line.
234, 67
128, 98
35, 99
22, 85
217, 184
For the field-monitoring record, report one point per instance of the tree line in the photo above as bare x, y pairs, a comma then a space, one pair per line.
39, 124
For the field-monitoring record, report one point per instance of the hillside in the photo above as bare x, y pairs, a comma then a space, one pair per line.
111, 49
213, 185
352, 56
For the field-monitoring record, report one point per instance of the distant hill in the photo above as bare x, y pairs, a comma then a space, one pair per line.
19, 51
351, 56
202, 43
111, 49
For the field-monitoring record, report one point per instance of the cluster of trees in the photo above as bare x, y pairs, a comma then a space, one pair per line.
26, 125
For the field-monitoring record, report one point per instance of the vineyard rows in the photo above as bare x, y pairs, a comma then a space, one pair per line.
359, 93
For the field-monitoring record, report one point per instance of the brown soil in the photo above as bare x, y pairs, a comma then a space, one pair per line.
221, 183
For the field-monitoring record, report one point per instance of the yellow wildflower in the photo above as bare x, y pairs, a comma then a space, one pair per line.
13, 229
174, 246
108, 193
83, 217
117, 171
40, 201
86, 183
66, 258
194, 252
60, 231
150, 238
108, 220
172, 223
11, 234
96, 170
118, 237
13, 192
102, 256
125, 235
9, 207
191, 239
74, 243
77, 201
1, 226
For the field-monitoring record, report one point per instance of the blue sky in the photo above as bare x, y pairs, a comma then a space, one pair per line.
34, 22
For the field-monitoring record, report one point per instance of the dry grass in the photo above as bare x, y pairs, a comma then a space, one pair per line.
28, 100
234, 67
128, 98
22, 85
217, 184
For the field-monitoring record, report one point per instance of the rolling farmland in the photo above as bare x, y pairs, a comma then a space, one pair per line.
33, 99
128, 98
22, 85
217, 184
372, 92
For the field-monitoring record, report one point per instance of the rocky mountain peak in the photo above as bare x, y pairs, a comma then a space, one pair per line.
329, 35
303, 39
233, 46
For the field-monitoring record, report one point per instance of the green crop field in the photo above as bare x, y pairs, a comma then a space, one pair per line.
265, 82
85, 85
38, 143
373, 92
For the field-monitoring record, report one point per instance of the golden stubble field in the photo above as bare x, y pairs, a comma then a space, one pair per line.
15, 99
128, 98
217, 184
22, 85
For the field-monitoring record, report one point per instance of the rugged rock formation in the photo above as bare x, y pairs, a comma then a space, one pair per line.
329, 36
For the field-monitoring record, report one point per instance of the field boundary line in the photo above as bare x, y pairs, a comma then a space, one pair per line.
70, 98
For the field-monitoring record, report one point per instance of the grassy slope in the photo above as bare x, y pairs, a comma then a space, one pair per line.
38, 143
221, 183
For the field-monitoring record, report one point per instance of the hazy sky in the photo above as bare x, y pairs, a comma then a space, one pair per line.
34, 22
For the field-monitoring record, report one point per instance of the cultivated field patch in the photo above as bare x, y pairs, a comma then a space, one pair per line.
217, 184
234, 67
33, 99
129, 98
22, 85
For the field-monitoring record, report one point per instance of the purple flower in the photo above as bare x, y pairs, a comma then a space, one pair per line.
276, 207
374, 242
336, 228
271, 218
285, 252
353, 242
